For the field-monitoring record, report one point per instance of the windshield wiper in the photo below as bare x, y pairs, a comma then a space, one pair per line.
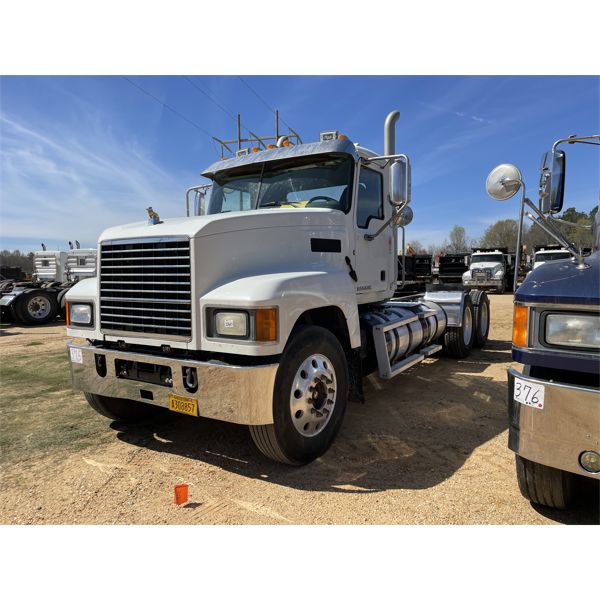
278, 203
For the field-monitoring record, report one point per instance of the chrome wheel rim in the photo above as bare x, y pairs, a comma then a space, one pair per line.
467, 326
313, 395
484, 316
38, 307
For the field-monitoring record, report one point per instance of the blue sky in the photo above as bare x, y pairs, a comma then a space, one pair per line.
78, 154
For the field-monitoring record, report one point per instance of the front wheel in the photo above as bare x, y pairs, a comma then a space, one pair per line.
544, 485
121, 409
309, 399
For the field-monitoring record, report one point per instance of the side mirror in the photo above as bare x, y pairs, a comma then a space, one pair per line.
552, 182
403, 217
503, 182
400, 182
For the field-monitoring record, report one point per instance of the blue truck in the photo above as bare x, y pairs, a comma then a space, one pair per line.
554, 402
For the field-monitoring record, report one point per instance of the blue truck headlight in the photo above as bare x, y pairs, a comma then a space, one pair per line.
231, 324
581, 331
79, 314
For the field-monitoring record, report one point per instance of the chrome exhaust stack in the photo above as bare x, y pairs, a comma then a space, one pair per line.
389, 133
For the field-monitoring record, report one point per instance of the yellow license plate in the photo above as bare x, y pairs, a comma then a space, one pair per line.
187, 406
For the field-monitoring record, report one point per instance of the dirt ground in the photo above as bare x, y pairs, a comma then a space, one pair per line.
429, 446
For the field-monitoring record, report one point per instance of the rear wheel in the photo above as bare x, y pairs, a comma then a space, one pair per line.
481, 303
121, 409
37, 308
458, 341
544, 485
309, 399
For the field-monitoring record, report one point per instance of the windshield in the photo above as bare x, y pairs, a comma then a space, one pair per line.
552, 256
312, 182
486, 258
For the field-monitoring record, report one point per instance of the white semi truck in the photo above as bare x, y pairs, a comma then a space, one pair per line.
41, 299
490, 268
548, 252
269, 308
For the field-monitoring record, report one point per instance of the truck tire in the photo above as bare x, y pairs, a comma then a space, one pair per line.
544, 485
481, 303
121, 409
60, 299
458, 341
36, 308
309, 399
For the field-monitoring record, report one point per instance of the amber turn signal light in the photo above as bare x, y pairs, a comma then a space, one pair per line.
265, 324
67, 316
520, 318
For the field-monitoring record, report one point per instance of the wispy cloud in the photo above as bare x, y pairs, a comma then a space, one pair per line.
458, 113
59, 183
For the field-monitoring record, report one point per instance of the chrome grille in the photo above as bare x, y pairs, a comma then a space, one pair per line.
145, 287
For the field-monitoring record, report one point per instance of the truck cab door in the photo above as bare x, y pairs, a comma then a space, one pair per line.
374, 260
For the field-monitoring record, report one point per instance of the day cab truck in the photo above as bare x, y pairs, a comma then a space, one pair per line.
41, 299
269, 307
490, 269
547, 252
554, 403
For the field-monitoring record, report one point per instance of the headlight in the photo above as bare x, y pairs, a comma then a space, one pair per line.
582, 331
231, 324
499, 275
253, 324
79, 314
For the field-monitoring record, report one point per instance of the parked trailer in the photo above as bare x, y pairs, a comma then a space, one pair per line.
414, 273
42, 299
452, 267
269, 307
554, 403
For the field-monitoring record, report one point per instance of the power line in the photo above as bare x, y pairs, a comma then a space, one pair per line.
165, 105
262, 100
227, 112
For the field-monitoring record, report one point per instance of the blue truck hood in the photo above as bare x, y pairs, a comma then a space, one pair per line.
560, 282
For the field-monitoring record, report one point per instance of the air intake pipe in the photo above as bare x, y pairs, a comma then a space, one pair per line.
389, 133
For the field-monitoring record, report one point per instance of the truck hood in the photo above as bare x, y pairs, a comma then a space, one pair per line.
561, 282
194, 227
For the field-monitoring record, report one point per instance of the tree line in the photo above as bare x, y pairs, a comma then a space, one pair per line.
16, 258
503, 234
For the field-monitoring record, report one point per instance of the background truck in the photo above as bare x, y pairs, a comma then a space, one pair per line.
554, 403
269, 307
491, 268
452, 267
547, 252
41, 299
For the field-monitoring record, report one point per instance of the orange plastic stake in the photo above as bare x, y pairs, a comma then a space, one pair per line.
181, 493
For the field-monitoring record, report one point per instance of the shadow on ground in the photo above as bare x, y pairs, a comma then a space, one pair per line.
413, 432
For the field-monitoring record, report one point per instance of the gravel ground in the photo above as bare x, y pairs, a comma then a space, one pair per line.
429, 446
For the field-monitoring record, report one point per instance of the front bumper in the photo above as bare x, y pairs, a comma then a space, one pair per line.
556, 435
483, 283
225, 392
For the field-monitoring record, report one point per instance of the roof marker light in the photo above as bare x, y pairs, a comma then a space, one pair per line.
327, 136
